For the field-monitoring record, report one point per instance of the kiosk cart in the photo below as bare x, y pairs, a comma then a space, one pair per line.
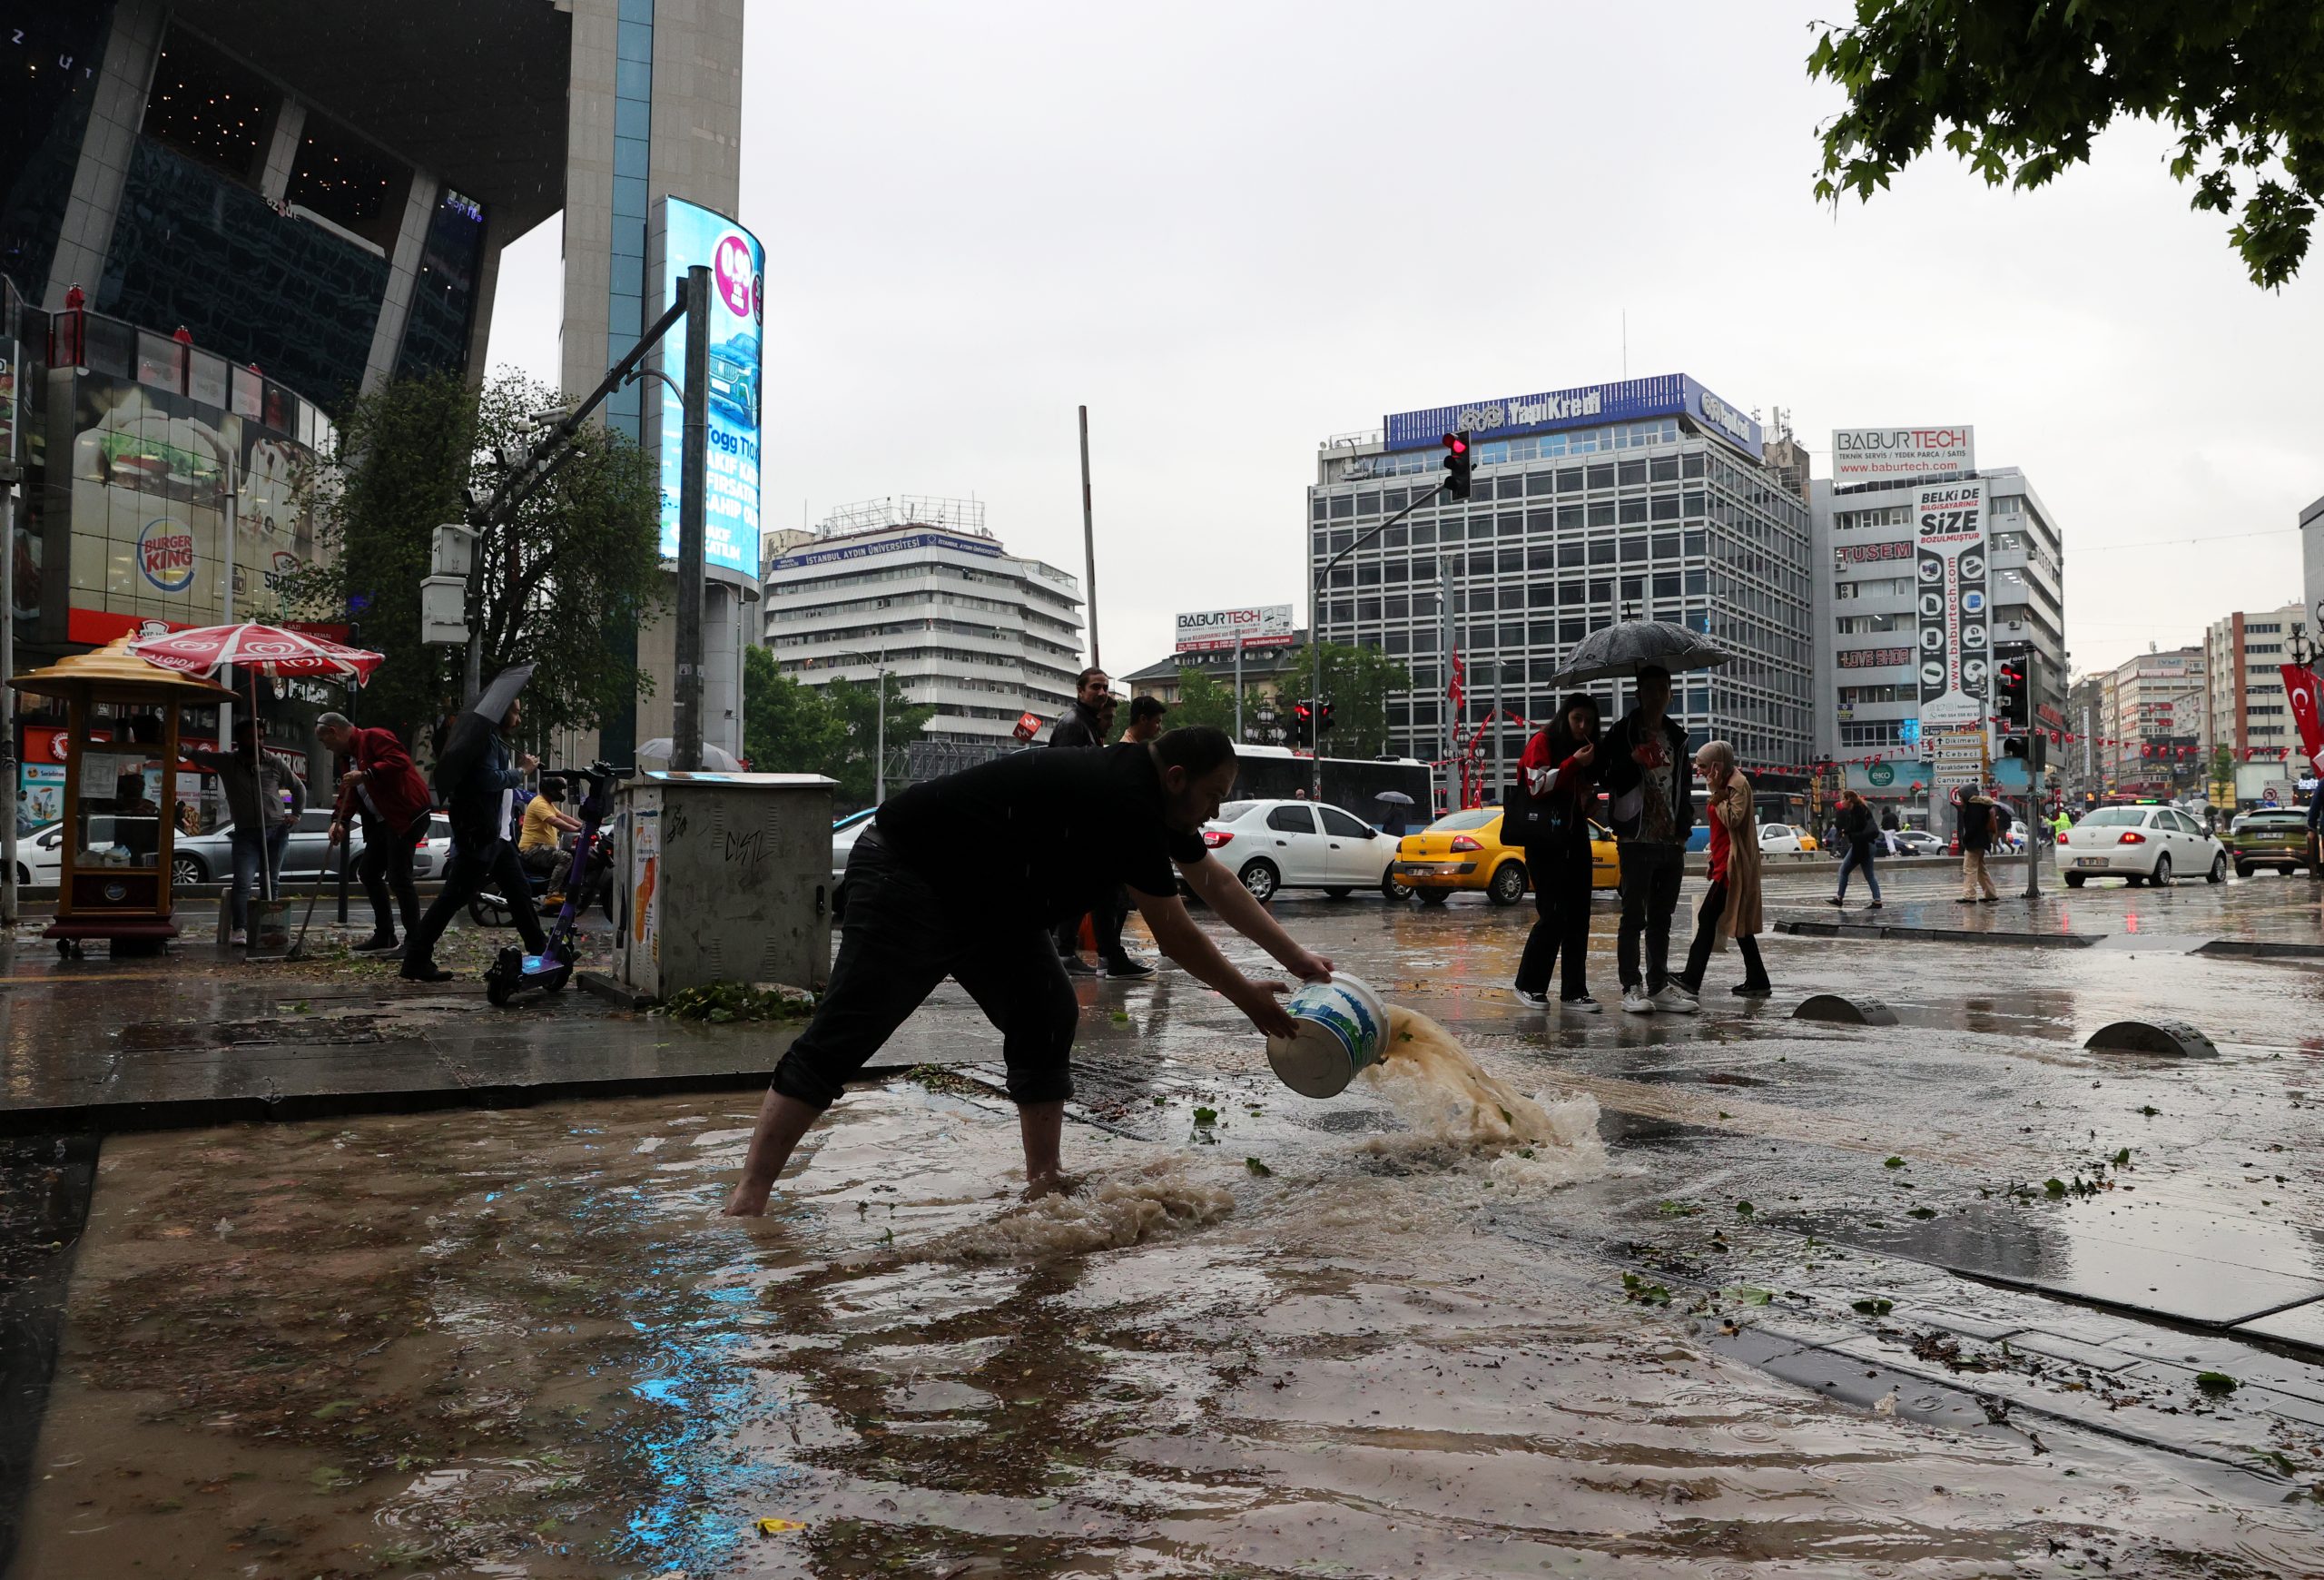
116, 831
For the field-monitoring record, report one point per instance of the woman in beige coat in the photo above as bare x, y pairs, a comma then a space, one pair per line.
1731, 904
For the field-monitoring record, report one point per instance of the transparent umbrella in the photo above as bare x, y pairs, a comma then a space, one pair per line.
716, 759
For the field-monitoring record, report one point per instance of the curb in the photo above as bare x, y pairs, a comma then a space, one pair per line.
1818, 929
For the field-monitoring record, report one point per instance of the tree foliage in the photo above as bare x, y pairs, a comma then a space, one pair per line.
787, 727
1204, 699
2019, 89
833, 729
1356, 681
564, 583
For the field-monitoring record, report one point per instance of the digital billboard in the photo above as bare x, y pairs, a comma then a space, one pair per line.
692, 234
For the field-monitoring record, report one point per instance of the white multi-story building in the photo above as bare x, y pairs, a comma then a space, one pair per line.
2151, 723
919, 587
2243, 661
1867, 690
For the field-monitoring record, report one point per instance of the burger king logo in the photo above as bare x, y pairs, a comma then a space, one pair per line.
166, 554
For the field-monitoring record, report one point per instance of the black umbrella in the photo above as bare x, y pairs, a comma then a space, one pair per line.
1631, 646
493, 702
1397, 796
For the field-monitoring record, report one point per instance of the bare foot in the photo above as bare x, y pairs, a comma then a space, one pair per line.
748, 1200
1057, 1184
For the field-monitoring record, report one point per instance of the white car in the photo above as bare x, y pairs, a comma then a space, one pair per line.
1299, 844
844, 834
1780, 839
2150, 845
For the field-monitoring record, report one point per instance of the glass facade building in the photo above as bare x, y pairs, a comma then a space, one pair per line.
1566, 531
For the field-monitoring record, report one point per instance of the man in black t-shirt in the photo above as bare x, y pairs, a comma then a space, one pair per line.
963, 876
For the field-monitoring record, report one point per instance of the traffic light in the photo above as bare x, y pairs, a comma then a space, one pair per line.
1303, 724
1323, 718
1458, 459
2014, 697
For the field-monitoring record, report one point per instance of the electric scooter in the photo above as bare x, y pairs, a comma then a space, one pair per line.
513, 972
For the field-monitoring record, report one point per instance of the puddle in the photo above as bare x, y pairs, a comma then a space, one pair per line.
525, 1344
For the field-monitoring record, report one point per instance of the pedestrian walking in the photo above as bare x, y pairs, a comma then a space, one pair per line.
1861, 837
264, 798
382, 791
1085, 725
1653, 808
1730, 906
1559, 776
1976, 827
943, 883
477, 779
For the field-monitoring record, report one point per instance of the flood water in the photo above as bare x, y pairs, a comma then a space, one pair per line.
1290, 1338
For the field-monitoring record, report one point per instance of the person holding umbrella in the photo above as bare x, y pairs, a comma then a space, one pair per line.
1642, 763
478, 779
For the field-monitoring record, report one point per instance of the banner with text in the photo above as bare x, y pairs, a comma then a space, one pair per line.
1215, 630
1867, 455
1952, 622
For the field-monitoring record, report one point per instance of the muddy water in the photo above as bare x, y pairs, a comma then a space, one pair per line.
522, 1344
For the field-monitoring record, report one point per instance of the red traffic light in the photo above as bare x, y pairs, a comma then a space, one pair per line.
1456, 444
1302, 710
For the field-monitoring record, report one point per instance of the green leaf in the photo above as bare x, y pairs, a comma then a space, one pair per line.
1922, 1212
2054, 1186
1894, 1163
1744, 1209
1206, 1116
1257, 1168
2218, 1385
1874, 1307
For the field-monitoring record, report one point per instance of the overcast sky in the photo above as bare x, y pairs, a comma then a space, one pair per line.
1233, 230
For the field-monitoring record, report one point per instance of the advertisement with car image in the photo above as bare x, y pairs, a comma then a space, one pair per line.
691, 235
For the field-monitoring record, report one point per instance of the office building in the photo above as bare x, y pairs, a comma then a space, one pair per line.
1867, 686
919, 587
2311, 561
2245, 709
2150, 727
319, 194
1648, 497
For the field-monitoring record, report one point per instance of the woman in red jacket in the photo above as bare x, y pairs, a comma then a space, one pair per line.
1559, 771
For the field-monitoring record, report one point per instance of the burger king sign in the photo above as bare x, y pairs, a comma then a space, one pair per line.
166, 554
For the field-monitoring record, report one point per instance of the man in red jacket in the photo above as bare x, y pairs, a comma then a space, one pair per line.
381, 786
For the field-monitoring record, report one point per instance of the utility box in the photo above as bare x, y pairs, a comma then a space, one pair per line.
722, 877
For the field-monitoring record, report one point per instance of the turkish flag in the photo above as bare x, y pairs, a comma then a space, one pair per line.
2300, 686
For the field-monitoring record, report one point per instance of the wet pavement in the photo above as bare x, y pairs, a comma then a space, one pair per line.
1953, 1297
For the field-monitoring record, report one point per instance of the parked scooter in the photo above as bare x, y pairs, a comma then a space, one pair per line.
513, 972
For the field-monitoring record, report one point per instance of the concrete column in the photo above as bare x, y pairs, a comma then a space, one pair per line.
115, 113
589, 194
283, 154
403, 273
722, 703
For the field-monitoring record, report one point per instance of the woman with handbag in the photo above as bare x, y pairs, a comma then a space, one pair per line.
1558, 785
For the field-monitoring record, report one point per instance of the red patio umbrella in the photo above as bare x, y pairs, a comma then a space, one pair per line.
268, 650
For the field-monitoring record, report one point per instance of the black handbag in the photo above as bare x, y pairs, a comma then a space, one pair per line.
1527, 819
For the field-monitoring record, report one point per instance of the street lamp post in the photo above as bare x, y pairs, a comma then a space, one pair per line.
880, 738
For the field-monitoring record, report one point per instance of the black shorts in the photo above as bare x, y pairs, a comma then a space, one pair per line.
899, 942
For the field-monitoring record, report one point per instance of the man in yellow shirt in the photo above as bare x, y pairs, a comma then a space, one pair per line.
537, 840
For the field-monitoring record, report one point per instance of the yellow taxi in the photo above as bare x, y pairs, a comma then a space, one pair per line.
1462, 851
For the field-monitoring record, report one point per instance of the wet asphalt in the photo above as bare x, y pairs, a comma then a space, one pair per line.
1961, 1246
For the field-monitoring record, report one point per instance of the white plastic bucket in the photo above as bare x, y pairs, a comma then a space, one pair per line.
1342, 1026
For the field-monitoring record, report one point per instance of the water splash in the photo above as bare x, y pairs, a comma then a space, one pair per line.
1461, 1118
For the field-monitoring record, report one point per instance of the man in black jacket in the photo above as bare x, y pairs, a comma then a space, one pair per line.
1085, 725
1653, 804
477, 778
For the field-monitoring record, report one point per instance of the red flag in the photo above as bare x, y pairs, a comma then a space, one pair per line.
1458, 688
2300, 686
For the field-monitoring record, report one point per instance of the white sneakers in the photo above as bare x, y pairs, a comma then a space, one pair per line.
1674, 1000
1636, 1002
1531, 1001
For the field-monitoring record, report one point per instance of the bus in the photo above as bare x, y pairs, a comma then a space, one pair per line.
1352, 784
